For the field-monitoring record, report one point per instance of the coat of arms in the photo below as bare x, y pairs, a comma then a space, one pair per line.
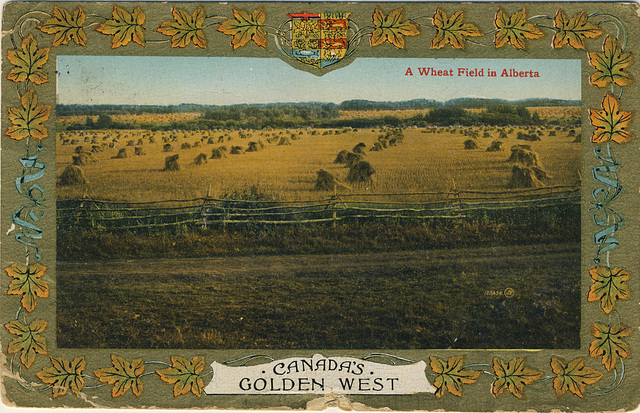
318, 39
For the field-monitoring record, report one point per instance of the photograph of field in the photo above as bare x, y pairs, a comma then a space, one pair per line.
299, 222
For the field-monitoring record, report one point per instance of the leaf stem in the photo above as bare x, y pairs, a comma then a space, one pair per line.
158, 362
479, 43
420, 18
614, 385
619, 25
540, 16
30, 19
97, 15
91, 25
547, 27
158, 41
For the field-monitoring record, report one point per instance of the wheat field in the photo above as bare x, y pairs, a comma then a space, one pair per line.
429, 160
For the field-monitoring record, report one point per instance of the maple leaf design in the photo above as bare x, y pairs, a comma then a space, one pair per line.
573, 376
185, 28
27, 282
185, 374
573, 31
245, 27
512, 376
123, 375
392, 28
452, 30
609, 285
28, 62
29, 341
450, 375
609, 343
124, 27
28, 120
611, 123
515, 29
65, 26
610, 65
64, 375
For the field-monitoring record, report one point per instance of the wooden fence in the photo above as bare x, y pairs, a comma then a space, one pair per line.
87, 214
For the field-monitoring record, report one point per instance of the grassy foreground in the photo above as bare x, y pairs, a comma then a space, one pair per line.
561, 225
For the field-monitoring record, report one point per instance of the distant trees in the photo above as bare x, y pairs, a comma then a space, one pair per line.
315, 115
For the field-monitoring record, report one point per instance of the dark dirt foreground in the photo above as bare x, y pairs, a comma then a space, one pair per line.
498, 297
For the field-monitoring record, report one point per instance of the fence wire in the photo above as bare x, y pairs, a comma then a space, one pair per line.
87, 214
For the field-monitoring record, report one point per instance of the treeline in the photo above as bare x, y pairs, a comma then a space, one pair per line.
463, 103
328, 115
268, 116
95, 110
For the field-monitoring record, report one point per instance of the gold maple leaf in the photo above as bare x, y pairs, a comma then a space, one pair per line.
609, 285
245, 27
609, 343
185, 374
185, 28
451, 375
573, 376
573, 31
610, 65
123, 375
64, 375
512, 376
515, 29
28, 120
611, 123
124, 27
452, 30
392, 28
27, 282
65, 26
28, 62
29, 340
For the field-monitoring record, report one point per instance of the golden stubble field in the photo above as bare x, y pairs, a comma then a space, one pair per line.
432, 159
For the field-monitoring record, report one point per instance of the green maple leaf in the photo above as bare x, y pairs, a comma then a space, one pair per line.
185, 28
573, 376
514, 29
185, 374
610, 123
392, 28
29, 340
609, 285
452, 30
124, 27
28, 62
245, 27
610, 65
28, 120
513, 376
65, 26
64, 375
26, 282
573, 31
450, 375
609, 343
123, 375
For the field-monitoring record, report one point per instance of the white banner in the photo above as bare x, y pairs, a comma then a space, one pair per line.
319, 375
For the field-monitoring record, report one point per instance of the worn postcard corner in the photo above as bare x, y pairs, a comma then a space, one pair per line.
282, 205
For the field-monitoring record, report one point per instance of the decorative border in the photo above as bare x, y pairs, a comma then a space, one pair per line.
64, 24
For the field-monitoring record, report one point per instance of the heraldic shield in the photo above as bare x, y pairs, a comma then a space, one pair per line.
318, 39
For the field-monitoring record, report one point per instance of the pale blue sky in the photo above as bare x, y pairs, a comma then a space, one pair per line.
225, 81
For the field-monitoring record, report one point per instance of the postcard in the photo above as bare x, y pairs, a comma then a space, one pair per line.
281, 205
